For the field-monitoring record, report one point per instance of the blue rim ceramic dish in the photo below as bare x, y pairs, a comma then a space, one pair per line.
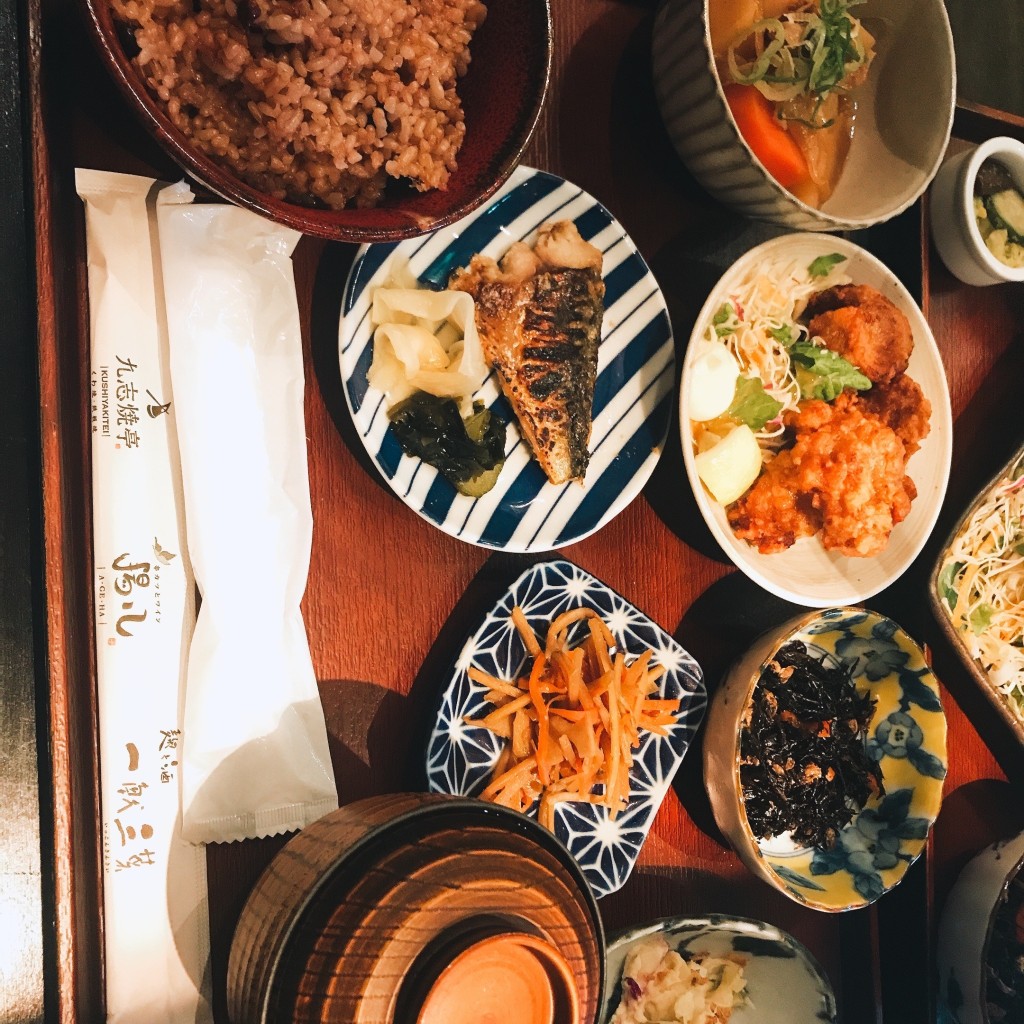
460, 757
632, 401
785, 984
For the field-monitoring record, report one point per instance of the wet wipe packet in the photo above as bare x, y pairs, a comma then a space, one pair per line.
256, 758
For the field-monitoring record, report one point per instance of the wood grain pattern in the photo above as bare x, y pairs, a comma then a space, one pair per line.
390, 598
63, 362
24, 902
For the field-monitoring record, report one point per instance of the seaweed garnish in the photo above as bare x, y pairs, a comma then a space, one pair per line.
804, 768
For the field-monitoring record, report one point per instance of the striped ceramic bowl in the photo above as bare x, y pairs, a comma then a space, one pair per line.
632, 399
904, 116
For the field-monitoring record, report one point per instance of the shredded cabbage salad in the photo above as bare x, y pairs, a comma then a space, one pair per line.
982, 583
660, 986
759, 323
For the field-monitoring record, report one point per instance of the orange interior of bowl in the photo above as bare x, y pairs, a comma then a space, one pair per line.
502, 94
511, 978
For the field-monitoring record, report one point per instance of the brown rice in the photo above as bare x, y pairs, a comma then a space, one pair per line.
312, 99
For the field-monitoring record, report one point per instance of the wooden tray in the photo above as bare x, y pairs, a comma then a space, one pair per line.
390, 599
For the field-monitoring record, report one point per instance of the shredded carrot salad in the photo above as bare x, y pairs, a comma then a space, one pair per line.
572, 719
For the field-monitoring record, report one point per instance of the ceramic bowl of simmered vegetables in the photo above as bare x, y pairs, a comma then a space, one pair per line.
977, 213
831, 117
824, 757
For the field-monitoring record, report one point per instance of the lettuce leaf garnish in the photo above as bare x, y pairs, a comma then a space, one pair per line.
752, 405
720, 321
946, 581
981, 618
821, 373
821, 266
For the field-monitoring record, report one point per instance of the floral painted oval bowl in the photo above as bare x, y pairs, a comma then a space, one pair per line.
905, 738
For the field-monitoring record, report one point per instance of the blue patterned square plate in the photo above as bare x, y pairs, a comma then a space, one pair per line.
632, 397
460, 757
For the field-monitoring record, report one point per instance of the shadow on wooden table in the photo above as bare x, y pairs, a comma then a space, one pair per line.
717, 629
378, 735
331, 273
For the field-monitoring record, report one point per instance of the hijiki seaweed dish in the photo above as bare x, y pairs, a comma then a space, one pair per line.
1004, 967
804, 768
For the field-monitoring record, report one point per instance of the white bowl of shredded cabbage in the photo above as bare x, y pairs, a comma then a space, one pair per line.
713, 970
977, 591
755, 310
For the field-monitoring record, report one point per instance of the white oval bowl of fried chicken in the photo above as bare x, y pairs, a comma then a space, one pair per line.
851, 484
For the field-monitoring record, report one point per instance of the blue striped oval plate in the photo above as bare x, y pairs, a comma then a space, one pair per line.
632, 401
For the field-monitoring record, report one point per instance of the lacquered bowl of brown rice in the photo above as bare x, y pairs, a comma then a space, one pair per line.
357, 120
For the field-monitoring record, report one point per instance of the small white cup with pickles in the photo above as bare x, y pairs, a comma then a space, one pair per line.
725, 412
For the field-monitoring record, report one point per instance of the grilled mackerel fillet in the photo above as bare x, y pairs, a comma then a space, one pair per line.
539, 318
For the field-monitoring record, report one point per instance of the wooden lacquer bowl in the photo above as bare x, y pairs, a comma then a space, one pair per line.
367, 915
502, 94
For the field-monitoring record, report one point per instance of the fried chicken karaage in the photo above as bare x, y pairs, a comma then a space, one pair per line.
841, 472
844, 476
859, 323
901, 404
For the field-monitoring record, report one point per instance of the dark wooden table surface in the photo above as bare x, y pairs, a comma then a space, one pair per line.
379, 572
25, 889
